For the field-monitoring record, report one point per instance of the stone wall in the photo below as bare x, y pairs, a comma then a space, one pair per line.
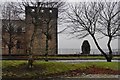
39, 41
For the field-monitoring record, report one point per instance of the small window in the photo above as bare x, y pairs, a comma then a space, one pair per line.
32, 10
50, 11
33, 19
19, 30
42, 11
39, 18
23, 29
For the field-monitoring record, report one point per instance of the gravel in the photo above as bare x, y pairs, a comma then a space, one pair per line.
99, 76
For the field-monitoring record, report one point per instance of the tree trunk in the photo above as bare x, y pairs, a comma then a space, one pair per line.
46, 51
31, 41
9, 50
10, 44
108, 58
110, 50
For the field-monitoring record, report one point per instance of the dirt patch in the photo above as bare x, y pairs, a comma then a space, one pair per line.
90, 70
96, 70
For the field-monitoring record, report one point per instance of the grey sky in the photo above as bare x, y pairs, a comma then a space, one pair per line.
65, 42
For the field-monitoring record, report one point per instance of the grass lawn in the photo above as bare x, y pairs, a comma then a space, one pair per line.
18, 68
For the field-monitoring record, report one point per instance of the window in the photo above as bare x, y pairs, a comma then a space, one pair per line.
32, 10
42, 11
18, 44
50, 11
39, 18
23, 29
19, 30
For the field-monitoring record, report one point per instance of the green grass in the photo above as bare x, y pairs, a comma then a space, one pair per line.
109, 65
19, 68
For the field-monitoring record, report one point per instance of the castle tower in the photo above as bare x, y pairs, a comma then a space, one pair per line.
42, 19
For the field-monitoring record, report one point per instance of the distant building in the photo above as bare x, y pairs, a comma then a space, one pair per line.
26, 28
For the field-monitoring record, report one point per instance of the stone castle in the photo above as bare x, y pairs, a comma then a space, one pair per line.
47, 19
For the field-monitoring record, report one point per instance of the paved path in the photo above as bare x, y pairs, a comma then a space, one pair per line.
78, 61
68, 61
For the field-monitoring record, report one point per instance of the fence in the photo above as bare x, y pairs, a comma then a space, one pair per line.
93, 51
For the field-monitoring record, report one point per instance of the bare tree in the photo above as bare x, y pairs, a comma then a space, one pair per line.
88, 18
10, 14
109, 23
39, 18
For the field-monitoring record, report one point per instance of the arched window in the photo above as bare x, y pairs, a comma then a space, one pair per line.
19, 30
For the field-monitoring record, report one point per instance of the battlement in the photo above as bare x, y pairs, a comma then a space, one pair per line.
41, 12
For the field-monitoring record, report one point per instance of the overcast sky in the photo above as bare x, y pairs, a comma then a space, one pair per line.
65, 42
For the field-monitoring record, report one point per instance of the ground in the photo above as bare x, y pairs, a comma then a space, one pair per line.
18, 69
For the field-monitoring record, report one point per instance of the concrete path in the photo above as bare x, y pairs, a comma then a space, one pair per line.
78, 61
